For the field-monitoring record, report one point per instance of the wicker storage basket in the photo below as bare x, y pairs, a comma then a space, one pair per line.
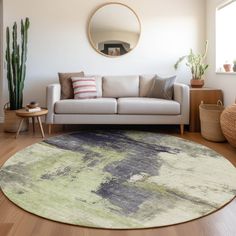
210, 121
12, 121
228, 124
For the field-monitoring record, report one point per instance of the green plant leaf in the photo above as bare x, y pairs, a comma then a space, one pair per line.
195, 62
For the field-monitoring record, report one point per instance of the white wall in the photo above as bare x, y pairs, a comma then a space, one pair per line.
58, 39
226, 82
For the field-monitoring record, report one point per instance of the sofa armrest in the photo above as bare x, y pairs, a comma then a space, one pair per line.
53, 95
181, 95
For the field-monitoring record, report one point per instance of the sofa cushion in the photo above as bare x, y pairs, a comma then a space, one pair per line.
98, 80
145, 84
148, 106
86, 106
67, 91
84, 87
99, 85
120, 86
162, 87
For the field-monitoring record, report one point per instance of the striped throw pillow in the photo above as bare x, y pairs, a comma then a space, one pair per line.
84, 87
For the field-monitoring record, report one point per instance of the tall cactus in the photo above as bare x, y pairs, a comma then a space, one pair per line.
16, 56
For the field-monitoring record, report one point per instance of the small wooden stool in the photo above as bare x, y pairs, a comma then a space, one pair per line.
26, 115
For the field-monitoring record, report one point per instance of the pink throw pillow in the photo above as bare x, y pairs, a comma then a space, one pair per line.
84, 87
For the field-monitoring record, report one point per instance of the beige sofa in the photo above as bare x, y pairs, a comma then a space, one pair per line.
121, 100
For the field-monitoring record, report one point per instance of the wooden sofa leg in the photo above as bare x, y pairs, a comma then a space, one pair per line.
49, 129
181, 129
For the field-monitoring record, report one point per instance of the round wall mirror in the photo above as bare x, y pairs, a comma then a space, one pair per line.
114, 29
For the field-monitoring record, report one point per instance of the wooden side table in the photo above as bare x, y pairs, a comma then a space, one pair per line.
208, 96
26, 115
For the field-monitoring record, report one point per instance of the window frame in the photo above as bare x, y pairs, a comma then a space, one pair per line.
218, 8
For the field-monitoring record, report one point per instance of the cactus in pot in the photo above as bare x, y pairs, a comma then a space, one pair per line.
16, 56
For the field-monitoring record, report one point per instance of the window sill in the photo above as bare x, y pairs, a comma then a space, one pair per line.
225, 73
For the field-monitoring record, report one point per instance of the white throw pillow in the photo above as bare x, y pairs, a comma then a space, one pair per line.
84, 87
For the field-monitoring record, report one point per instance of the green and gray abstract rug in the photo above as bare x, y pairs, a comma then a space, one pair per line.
118, 179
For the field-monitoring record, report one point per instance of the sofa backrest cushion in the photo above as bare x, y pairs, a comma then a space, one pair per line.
98, 80
145, 84
120, 86
67, 91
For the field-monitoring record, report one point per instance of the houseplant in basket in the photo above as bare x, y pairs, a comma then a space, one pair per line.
16, 56
197, 66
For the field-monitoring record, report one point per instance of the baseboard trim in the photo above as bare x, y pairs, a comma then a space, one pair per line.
1, 119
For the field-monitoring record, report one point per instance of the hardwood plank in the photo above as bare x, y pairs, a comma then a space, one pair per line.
22, 223
5, 228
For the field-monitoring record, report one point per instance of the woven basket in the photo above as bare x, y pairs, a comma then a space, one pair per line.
12, 121
228, 124
210, 121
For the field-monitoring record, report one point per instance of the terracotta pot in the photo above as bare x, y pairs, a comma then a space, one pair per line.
227, 67
197, 83
12, 121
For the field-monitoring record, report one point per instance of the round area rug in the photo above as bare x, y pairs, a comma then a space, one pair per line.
118, 179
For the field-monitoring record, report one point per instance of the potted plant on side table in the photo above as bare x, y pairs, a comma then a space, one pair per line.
197, 66
16, 56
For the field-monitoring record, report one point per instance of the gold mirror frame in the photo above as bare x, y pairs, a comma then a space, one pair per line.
89, 28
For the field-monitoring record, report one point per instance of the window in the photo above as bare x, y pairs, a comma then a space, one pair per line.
226, 36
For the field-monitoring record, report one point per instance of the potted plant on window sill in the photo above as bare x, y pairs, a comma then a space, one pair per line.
234, 67
16, 56
197, 66
227, 67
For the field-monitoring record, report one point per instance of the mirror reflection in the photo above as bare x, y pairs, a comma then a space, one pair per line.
114, 29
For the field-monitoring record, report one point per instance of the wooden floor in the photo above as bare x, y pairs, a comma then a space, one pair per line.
15, 221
